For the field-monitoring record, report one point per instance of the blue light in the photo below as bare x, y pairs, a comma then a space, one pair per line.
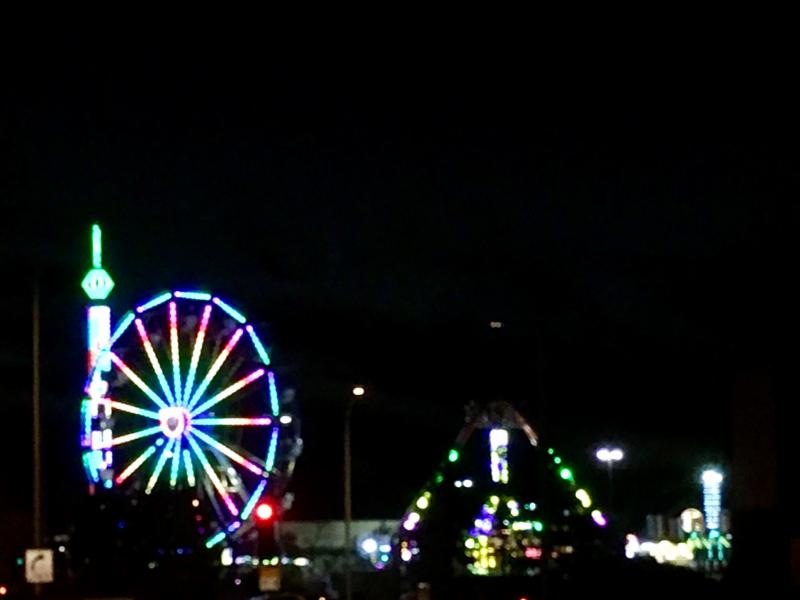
230, 310
193, 295
160, 299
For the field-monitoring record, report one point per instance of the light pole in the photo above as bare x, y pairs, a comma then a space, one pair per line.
357, 392
609, 456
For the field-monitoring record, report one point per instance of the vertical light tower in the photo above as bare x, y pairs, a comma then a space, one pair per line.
96, 409
712, 508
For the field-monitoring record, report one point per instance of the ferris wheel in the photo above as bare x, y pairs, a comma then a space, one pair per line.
182, 394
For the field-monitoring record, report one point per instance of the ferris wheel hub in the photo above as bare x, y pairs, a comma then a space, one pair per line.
174, 420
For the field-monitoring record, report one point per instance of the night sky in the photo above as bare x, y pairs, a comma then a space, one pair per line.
633, 231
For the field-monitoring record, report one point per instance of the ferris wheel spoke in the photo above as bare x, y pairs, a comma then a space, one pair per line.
234, 421
173, 342
151, 355
214, 368
134, 410
198, 347
227, 392
176, 464
198, 451
137, 381
187, 464
234, 456
124, 439
162, 459
137, 462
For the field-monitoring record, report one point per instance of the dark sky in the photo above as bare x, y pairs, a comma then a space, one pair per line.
637, 225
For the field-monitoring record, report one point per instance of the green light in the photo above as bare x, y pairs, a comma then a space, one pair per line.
97, 247
557, 460
550, 451
453, 455
439, 478
97, 284
566, 474
537, 525
216, 539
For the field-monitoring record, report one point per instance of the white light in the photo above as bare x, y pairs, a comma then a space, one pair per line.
498, 437
609, 455
458, 483
359, 390
369, 546
301, 561
711, 477
286, 419
226, 558
405, 555
467, 483
385, 548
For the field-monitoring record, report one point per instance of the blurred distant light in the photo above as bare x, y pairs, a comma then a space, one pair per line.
3, 590
385, 548
422, 503
712, 498
359, 390
458, 483
301, 561
584, 498
496, 324
609, 455
452, 456
195, 502
405, 555
369, 545
226, 558
285, 419
566, 474
467, 483
599, 518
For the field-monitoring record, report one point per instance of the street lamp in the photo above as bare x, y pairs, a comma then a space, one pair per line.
609, 456
357, 392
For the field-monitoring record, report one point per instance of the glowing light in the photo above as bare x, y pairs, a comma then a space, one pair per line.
137, 381
157, 300
285, 420
134, 410
215, 539
584, 498
273, 447
215, 367
712, 498
631, 546
123, 325
369, 546
187, 463
251, 502
198, 347
273, 394
227, 392
522, 526
166, 453
565, 474
151, 355
422, 503
264, 511
124, 439
691, 520
173, 421
498, 445
538, 526
230, 310
176, 463
453, 455
609, 455
205, 296
226, 557
405, 555
99, 319
176, 357
213, 476
128, 471
262, 353
238, 458
467, 483
97, 284
599, 518
533, 553
233, 421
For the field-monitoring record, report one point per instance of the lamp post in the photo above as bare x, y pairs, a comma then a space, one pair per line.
357, 392
609, 456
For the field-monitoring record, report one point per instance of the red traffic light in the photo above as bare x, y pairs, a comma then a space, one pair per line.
264, 512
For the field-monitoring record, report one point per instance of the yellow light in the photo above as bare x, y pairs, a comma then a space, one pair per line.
422, 503
494, 500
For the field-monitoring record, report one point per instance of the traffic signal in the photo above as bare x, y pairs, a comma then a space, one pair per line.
265, 512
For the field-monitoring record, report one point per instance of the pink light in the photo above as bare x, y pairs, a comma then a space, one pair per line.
598, 518
533, 553
238, 458
234, 421
229, 391
173, 339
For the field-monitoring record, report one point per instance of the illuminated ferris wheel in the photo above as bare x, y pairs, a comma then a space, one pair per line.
181, 394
